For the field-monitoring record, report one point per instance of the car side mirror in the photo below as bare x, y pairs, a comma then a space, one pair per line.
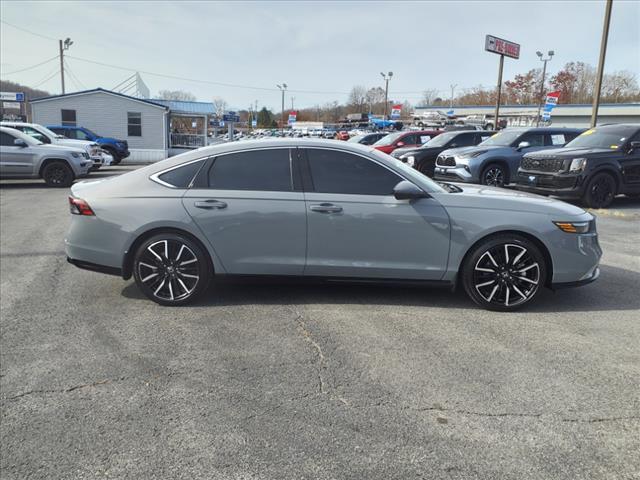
634, 146
18, 142
406, 190
522, 145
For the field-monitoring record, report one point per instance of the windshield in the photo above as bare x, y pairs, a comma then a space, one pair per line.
47, 132
440, 140
602, 138
502, 139
89, 132
389, 139
356, 139
29, 140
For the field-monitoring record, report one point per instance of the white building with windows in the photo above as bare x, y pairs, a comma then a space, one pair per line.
144, 124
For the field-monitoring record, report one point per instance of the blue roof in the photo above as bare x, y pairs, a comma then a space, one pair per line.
179, 106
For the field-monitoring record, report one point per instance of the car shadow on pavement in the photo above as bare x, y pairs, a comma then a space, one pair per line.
614, 290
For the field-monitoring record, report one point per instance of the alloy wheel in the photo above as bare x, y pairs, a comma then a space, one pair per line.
602, 191
169, 269
506, 275
494, 177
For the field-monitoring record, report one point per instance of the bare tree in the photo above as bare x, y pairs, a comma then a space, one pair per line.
219, 106
428, 97
357, 101
177, 95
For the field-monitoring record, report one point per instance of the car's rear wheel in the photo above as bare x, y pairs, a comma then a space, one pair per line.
58, 174
504, 272
171, 269
494, 175
600, 191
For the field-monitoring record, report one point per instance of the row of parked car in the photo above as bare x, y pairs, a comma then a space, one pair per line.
58, 154
592, 165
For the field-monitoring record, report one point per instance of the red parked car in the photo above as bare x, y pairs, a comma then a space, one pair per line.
342, 135
405, 139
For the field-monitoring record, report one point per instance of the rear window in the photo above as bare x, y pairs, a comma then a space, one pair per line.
181, 177
261, 170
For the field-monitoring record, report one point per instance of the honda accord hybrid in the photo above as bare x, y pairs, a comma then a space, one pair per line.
321, 209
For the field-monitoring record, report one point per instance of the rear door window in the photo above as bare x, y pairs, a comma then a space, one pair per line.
261, 170
333, 171
534, 139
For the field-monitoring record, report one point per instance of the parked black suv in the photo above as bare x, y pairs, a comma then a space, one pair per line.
423, 158
594, 167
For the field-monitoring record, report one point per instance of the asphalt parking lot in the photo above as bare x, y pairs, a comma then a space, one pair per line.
270, 381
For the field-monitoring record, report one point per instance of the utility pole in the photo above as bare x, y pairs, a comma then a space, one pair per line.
497, 115
453, 87
544, 72
282, 88
292, 99
63, 46
386, 77
603, 54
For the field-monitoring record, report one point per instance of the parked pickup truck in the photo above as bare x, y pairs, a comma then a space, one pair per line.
118, 149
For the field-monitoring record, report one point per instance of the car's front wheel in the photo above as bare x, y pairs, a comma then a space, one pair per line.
171, 269
600, 191
58, 174
495, 175
504, 272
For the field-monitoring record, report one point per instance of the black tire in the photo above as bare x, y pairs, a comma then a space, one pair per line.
116, 159
171, 269
488, 126
504, 272
495, 175
426, 168
600, 191
58, 174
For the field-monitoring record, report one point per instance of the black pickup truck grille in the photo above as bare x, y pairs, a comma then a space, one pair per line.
446, 161
542, 164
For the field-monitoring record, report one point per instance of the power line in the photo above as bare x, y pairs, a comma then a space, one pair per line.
210, 82
31, 67
54, 74
76, 80
28, 31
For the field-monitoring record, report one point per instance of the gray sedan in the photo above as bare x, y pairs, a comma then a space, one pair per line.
316, 208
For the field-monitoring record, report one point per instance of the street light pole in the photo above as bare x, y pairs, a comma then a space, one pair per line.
453, 87
63, 46
603, 54
544, 72
282, 88
386, 77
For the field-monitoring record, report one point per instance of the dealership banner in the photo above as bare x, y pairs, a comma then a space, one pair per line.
292, 117
396, 111
550, 103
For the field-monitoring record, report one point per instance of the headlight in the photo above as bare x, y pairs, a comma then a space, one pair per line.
573, 227
410, 160
577, 164
76, 154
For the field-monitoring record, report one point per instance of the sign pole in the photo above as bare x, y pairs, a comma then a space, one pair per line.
603, 53
496, 118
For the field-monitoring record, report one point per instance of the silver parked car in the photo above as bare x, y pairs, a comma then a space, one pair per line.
318, 208
22, 156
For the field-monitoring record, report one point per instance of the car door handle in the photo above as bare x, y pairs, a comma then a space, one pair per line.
210, 204
325, 208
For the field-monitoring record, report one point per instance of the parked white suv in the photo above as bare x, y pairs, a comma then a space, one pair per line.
44, 135
22, 156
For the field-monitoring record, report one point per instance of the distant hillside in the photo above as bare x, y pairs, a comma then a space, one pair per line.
7, 86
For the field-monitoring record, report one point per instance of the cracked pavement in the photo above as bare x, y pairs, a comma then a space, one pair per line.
296, 381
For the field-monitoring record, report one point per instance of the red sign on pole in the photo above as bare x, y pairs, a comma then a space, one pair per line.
502, 47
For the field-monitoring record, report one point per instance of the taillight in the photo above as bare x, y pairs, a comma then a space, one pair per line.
78, 206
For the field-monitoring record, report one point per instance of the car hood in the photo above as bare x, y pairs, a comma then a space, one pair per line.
492, 198
463, 150
75, 143
59, 148
569, 152
422, 152
109, 140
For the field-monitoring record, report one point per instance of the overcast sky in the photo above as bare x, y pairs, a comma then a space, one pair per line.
324, 47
